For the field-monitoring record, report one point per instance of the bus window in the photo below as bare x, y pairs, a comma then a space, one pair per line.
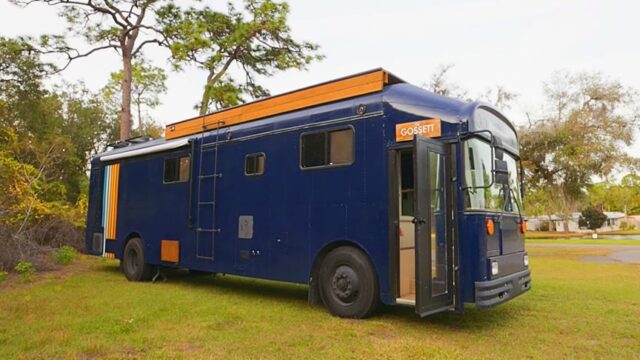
254, 164
177, 169
327, 148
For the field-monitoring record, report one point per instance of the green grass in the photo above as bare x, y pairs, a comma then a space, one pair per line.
584, 241
623, 232
574, 310
554, 235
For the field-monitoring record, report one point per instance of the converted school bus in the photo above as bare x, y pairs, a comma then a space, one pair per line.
366, 188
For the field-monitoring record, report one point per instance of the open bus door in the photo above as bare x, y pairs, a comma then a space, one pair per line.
434, 246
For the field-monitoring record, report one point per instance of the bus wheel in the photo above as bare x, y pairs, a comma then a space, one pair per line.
132, 263
348, 284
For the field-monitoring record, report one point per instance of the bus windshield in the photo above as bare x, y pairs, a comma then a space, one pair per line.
481, 192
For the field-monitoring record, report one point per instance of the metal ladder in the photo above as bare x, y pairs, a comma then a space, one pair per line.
204, 233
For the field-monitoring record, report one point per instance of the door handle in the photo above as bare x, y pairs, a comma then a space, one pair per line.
417, 221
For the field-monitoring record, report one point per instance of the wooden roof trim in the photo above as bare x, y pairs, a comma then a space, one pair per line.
340, 89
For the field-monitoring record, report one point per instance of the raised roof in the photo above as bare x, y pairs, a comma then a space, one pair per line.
351, 86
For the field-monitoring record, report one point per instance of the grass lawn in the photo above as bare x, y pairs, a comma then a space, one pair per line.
584, 241
554, 235
574, 310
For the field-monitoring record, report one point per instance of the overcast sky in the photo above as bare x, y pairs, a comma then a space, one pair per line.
515, 44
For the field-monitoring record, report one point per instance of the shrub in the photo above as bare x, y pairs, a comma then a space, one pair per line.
26, 270
627, 226
3, 276
64, 255
592, 218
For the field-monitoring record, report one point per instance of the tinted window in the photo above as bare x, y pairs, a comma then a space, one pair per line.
254, 164
177, 169
327, 148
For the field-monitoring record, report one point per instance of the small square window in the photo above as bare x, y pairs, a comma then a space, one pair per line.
254, 164
177, 169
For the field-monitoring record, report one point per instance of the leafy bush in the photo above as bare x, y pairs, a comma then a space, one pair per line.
627, 226
3, 276
26, 270
64, 255
592, 218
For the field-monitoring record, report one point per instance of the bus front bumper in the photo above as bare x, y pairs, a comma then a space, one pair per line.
493, 292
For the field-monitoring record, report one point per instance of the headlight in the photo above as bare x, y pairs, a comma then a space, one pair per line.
494, 268
526, 260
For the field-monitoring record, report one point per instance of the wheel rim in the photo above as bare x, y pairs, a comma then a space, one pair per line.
132, 261
345, 284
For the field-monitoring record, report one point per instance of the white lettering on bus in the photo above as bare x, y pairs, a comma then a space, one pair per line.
418, 130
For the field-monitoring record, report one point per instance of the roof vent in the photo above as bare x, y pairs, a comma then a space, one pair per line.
130, 141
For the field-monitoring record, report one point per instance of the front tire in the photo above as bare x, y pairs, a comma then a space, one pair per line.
348, 283
133, 263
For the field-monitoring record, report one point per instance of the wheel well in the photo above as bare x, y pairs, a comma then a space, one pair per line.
325, 250
314, 297
128, 238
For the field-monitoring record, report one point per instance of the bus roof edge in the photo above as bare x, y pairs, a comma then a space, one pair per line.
367, 82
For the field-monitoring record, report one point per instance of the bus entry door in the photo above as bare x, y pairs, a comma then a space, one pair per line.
434, 260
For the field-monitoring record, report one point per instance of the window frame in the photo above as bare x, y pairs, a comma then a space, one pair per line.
164, 169
257, 154
327, 148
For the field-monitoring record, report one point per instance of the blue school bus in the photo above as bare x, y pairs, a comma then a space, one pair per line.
366, 188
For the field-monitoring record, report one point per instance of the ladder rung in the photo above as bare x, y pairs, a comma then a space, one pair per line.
207, 203
208, 230
209, 148
211, 176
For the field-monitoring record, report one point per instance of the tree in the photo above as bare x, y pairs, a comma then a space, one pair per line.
120, 25
611, 196
592, 218
147, 83
258, 43
590, 121
440, 83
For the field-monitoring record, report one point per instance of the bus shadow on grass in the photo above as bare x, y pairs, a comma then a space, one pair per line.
473, 319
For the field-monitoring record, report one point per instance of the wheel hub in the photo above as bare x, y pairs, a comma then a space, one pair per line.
345, 284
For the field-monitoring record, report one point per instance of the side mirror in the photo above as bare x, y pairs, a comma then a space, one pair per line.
501, 172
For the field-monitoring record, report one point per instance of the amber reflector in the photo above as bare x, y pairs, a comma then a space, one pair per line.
490, 227
523, 227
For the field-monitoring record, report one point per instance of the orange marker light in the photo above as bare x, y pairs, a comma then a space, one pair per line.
490, 227
523, 227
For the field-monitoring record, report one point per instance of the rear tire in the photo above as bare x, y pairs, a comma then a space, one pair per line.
133, 263
347, 283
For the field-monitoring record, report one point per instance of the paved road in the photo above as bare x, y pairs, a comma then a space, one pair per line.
623, 253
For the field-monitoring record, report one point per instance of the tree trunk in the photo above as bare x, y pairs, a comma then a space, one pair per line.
140, 126
204, 103
125, 110
206, 96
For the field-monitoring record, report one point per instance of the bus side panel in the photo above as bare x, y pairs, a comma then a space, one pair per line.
150, 208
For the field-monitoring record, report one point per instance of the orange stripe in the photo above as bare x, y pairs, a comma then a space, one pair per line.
110, 213
114, 190
116, 181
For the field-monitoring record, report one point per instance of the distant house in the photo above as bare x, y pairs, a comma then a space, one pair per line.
557, 223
